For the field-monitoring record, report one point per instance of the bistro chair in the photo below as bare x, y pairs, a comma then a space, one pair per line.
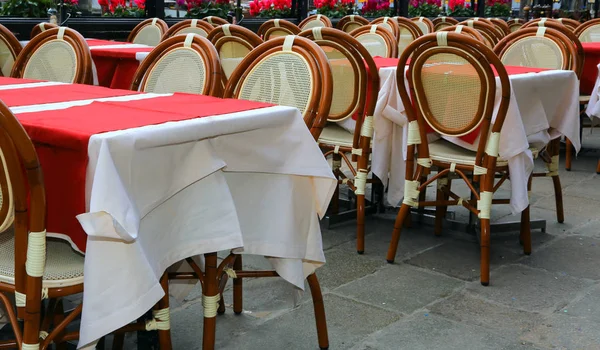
515, 24
453, 88
352, 83
9, 50
377, 40
443, 22
569, 23
501, 25
215, 21
274, 28
291, 71
499, 32
233, 43
408, 32
462, 29
488, 31
542, 47
589, 31
351, 22
315, 21
148, 32
58, 54
34, 268
183, 63
424, 23
388, 23
194, 26
41, 27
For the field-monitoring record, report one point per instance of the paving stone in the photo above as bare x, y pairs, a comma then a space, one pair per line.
589, 229
587, 188
345, 266
400, 288
572, 205
467, 308
529, 289
573, 256
588, 306
341, 233
348, 322
429, 331
564, 332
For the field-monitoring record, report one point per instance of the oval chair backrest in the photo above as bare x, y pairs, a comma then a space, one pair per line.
462, 29
515, 24
148, 32
407, 33
183, 63
233, 43
275, 28
589, 32
501, 25
193, 26
489, 32
569, 23
9, 50
351, 22
443, 22
377, 40
41, 27
424, 24
388, 23
315, 21
290, 71
215, 21
59, 54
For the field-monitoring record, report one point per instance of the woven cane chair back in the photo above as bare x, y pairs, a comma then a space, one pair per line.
388, 23
183, 63
215, 21
291, 71
9, 50
315, 21
488, 31
443, 22
424, 24
589, 32
515, 24
462, 29
351, 22
58, 54
377, 40
539, 47
233, 43
408, 32
275, 28
41, 27
193, 26
148, 32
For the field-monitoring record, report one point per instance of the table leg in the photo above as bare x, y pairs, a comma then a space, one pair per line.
210, 300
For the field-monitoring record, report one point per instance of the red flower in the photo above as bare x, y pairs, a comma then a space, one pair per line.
141, 4
103, 3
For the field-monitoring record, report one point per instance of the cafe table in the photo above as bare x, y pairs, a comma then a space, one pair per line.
138, 182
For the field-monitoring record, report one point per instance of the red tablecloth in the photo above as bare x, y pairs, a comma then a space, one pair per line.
11, 81
590, 67
56, 93
61, 138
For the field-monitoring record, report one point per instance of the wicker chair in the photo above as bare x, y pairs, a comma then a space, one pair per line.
215, 21
542, 47
148, 32
499, 32
589, 31
443, 22
41, 27
33, 268
377, 40
9, 50
305, 82
183, 63
351, 83
233, 43
408, 32
351, 22
469, 86
59, 54
315, 21
462, 29
501, 25
515, 24
424, 24
388, 23
488, 31
194, 26
275, 28
569, 23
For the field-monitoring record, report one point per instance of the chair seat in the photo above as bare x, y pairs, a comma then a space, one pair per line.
64, 266
444, 151
584, 98
333, 134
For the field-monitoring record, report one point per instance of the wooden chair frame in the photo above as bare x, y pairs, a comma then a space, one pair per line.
83, 75
349, 20
11, 42
266, 29
41, 27
365, 107
179, 26
210, 57
442, 22
215, 21
411, 26
569, 23
514, 24
586, 25
389, 21
500, 24
463, 29
482, 59
489, 32
499, 32
322, 18
388, 37
425, 20
162, 26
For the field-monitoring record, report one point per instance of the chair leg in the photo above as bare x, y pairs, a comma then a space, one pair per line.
568, 154
554, 148
59, 316
598, 167
525, 235
118, 341
164, 336
441, 210
485, 252
319, 306
211, 290
238, 300
360, 223
400, 219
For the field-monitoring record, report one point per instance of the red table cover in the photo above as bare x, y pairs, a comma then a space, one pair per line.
61, 138
11, 81
590, 67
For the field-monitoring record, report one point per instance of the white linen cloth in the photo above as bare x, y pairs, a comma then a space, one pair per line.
593, 107
543, 106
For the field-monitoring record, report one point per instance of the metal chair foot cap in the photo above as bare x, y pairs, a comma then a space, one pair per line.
390, 261
237, 312
485, 284
560, 221
220, 312
568, 169
361, 252
527, 253
326, 348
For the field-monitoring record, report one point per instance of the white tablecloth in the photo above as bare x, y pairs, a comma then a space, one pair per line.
593, 107
253, 180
